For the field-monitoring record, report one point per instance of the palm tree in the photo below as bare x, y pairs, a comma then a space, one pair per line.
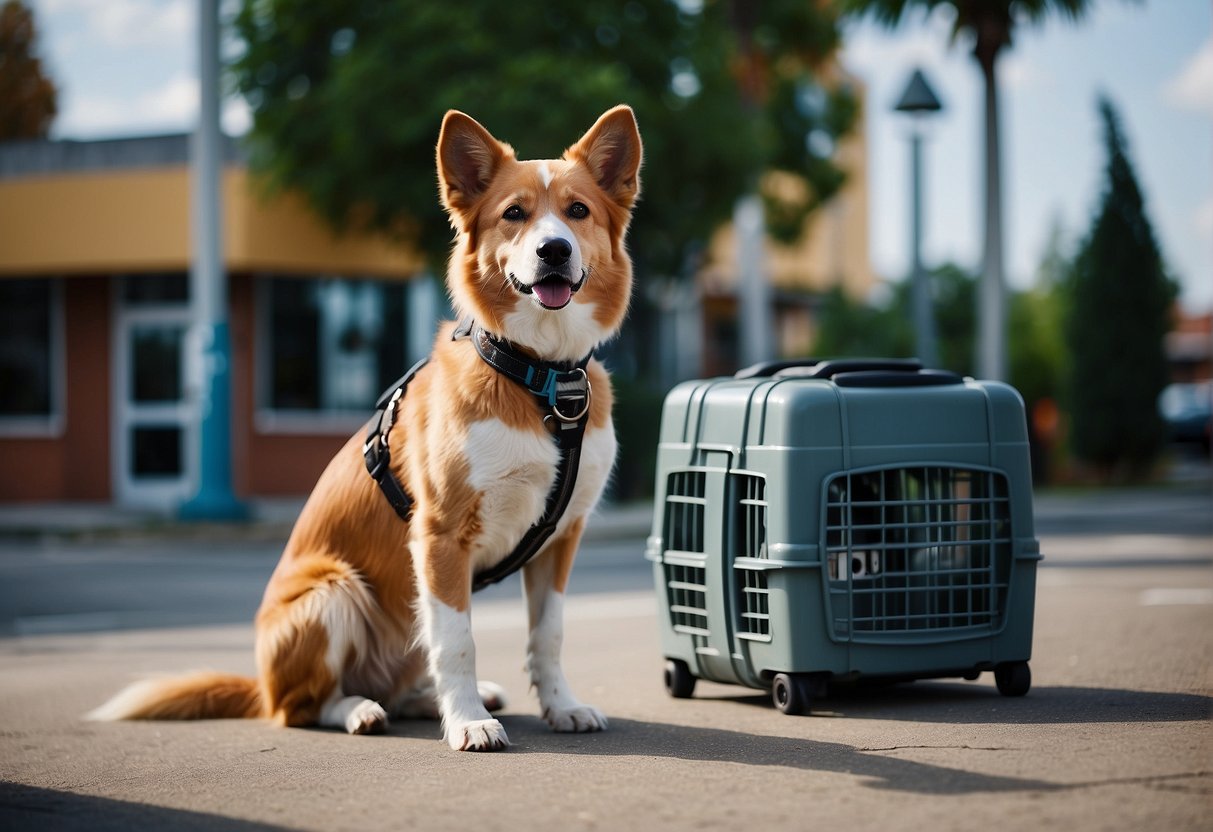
990, 23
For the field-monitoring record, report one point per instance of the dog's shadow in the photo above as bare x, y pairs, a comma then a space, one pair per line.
953, 703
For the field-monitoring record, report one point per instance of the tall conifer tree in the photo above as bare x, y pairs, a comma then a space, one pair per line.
1119, 316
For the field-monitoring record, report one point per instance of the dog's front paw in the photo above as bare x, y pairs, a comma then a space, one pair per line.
367, 718
579, 719
481, 735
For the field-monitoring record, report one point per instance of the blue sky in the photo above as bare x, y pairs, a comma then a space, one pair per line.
1155, 62
126, 67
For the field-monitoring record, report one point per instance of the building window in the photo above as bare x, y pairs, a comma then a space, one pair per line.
155, 289
30, 365
328, 347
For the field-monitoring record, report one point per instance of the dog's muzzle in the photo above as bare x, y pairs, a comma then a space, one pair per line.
555, 284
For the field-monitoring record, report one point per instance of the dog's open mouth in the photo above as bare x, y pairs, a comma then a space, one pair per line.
552, 291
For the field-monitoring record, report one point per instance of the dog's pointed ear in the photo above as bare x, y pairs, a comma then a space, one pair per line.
468, 157
612, 151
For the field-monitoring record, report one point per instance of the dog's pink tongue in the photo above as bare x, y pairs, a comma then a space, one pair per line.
553, 292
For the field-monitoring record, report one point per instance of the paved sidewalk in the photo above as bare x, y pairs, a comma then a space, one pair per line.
1115, 733
272, 519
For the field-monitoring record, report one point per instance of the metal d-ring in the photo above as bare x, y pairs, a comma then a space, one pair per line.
588, 392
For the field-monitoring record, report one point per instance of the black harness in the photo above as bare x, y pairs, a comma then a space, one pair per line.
562, 391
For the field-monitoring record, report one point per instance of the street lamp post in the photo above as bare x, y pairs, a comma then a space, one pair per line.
214, 499
919, 100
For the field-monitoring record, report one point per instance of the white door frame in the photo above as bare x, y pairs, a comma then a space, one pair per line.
157, 492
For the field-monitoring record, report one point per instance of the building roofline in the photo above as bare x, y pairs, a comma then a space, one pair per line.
41, 157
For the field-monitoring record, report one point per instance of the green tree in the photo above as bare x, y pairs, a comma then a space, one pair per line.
954, 290
1037, 348
1038, 355
1037, 352
347, 96
989, 23
1120, 306
849, 328
27, 96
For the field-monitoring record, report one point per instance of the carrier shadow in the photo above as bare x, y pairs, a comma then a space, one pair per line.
972, 704
635, 738
879, 769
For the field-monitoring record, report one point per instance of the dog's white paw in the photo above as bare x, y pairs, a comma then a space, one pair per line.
579, 719
367, 717
481, 735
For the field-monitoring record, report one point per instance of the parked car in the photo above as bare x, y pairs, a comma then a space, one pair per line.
1188, 411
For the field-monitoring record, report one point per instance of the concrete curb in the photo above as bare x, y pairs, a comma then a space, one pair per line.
270, 520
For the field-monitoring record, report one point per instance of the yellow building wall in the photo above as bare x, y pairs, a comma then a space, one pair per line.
138, 220
833, 247
832, 250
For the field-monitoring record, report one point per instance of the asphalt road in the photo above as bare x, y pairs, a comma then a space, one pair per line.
1115, 734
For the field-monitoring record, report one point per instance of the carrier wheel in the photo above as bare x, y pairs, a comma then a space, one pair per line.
679, 682
1013, 678
791, 695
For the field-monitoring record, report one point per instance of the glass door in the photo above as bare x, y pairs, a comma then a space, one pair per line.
154, 423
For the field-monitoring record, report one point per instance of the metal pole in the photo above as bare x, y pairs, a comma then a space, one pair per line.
755, 325
924, 314
991, 312
919, 100
208, 292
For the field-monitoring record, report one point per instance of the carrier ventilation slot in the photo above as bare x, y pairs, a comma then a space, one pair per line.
754, 609
749, 540
688, 597
749, 517
917, 550
684, 509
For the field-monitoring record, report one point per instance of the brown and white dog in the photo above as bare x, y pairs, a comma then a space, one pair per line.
367, 615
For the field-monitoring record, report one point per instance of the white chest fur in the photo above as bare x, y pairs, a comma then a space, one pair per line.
514, 470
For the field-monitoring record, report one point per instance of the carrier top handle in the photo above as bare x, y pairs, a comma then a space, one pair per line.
854, 372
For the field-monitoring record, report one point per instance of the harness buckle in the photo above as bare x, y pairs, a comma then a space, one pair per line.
584, 410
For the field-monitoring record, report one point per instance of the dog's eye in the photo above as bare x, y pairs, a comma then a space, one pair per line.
578, 211
513, 213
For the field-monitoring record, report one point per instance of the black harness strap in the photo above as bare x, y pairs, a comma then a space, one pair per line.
563, 391
376, 451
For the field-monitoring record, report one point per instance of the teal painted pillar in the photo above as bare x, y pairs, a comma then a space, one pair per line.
208, 293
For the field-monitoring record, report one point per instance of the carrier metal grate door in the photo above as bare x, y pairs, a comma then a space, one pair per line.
917, 551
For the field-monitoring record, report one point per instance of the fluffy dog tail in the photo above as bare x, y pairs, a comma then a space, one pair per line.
202, 695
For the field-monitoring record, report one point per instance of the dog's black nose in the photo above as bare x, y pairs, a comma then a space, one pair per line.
554, 251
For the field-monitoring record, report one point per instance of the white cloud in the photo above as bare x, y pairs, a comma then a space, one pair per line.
236, 117
125, 23
1192, 88
919, 40
176, 101
173, 106
1015, 72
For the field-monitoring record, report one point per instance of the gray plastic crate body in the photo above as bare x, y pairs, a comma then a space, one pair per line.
805, 527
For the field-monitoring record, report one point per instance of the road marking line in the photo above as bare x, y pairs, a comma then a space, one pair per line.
1190, 596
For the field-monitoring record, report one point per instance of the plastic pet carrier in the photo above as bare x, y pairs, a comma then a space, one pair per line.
838, 521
